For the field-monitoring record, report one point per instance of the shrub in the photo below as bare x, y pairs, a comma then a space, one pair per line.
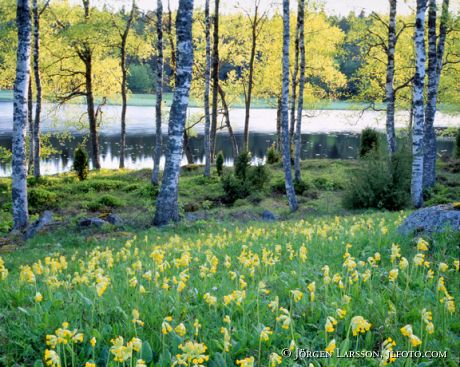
220, 163
380, 182
258, 176
106, 201
41, 199
242, 164
301, 187
369, 142
457, 144
234, 188
81, 163
273, 156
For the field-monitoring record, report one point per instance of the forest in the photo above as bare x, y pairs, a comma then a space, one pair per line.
229, 183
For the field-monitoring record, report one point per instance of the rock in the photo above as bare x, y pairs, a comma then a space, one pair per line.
430, 220
45, 219
90, 222
114, 220
268, 216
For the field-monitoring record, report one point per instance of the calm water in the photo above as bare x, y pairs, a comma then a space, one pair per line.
325, 134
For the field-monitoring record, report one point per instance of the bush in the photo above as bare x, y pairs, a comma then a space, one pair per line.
220, 163
380, 182
242, 164
41, 199
234, 188
273, 156
106, 202
369, 142
457, 144
258, 176
81, 163
301, 187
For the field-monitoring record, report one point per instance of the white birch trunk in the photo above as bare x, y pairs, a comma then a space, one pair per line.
159, 95
21, 85
419, 115
285, 111
207, 83
298, 129
389, 85
167, 207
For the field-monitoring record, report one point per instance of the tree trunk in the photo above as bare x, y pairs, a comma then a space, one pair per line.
215, 80
285, 111
229, 126
188, 148
38, 87
171, 38
30, 124
435, 59
389, 85
159, 95
167, 208
21, 85
248, 95
418, 130
278, 124
207, 82
124, 92
295, 75
298, 132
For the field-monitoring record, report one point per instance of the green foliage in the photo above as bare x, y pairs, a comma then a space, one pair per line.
457, 144
301, 187
242, 164
258, 177
273, 155
5, 155
141, 78
380, 182
81, 163
40, 199
369, 142
106, 202
220, 163
234, 188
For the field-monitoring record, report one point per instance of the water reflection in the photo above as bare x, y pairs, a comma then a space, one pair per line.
140, 149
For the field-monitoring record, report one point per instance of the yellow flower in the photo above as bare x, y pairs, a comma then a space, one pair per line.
443, 267
140, 363
90, 364
341, 313
180, 329
227, 319
415, 340
120, 351
422, 245
193, 353
246, 362
38, 297
395, 252
136, 344
419, 259
387, 352
209, 299
166, 328
275, 360
227, 339
197, 326
285, 318
393, 275
359, 325
457, 265
430, 328
403, 263
3, 270
297, 295
406, 330
274, 305
330, 323
331, 347
52, 358
265, 334
26, 275
92, 341
430, 274
136, 316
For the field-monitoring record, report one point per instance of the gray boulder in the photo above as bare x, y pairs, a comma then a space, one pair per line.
90, 222
430, 220
268, 216
45, 220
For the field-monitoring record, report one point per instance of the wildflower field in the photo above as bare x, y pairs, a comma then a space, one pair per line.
227, 294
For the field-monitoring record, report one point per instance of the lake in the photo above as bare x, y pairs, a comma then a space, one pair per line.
325, 134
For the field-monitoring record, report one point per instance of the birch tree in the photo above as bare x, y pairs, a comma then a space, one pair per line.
167, 207
419, 116
159, 94
298, 129
389, 85
124, 75
207, 82
21, 85
435, 63
295, 73
215, 79
285, 111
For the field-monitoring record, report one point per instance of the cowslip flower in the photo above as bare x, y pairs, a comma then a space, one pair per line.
38, 297
209, 299
341, 313
297, 295
193, 353
359, 325
92, 341
403, 263
285, 318
180, 329
331, 347
227, 339
246, 362
275, 360
393, 275
265, 334
443, 267
406, 330
51, 358
422, 245
166, 328
330, 323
